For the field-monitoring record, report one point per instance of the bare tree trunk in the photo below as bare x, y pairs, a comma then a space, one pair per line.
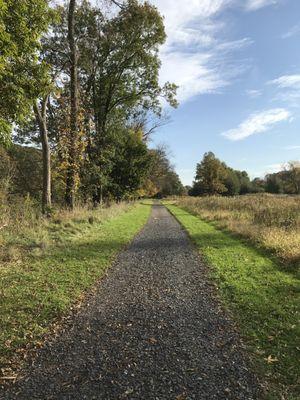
72, 167
42, 122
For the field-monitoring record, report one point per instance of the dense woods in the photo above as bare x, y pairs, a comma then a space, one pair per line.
80, 97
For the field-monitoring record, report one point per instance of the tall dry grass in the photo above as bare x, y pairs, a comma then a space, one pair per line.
24, 231
271, 221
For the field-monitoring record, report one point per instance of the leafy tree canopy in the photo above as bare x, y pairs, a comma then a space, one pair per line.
211, 174
22, 22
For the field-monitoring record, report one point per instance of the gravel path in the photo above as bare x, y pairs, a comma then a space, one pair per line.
153, 330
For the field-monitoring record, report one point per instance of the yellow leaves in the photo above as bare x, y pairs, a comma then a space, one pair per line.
148, 189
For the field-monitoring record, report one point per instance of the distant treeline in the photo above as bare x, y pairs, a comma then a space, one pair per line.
214, 177
80, 87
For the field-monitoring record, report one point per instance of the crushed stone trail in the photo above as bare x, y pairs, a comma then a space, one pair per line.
153, 329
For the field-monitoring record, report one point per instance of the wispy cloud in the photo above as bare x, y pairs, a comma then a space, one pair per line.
295, 30
273, 168
294, 147
267, 169
288, 89
193, 73
190, 24
258, 123
254, 93
253, 5
197, 56
287, 81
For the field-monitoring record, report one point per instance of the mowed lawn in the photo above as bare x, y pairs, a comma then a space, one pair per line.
39, 289
264, 299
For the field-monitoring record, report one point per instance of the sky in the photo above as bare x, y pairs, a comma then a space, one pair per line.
237, 65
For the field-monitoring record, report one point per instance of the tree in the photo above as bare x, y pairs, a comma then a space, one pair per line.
161, 179
122, 80
258, 185
7, 170
130, 166
172, 185
26, 179
245, 183
23, 75
118, 68
215, 177
96, 89
123, 75
22, 22
294, 176
274, 184
41, 117
72, 162
210, 175
232, 182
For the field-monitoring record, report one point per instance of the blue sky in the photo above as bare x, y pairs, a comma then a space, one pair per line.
237, 64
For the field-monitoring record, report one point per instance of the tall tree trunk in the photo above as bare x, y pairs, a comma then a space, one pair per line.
72, 165
42, 122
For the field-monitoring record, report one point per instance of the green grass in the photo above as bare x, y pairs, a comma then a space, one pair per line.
40, 288
264, 300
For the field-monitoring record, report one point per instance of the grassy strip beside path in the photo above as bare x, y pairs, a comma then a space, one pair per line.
264, 300
39, 289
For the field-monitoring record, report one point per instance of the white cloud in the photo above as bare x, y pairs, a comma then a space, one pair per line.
295, 147
195, 56
273, 168
288, 87
258, 123
295, 30
267, 169
193, 73
189, 24
253, 5
234, 45
254, 93
287, 81
186, 175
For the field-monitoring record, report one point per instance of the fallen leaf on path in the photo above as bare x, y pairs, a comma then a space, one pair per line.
181, 397
8, 378
129, 391
271, 360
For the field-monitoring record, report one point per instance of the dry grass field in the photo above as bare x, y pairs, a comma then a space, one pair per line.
271, 221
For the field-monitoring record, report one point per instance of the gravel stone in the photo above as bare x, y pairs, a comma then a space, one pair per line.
154, 329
